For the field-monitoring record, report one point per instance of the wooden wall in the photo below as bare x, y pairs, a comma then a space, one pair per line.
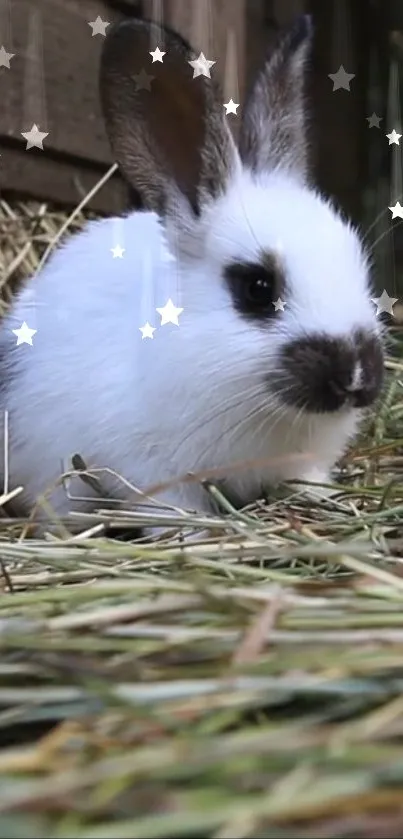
339, 130
53, 81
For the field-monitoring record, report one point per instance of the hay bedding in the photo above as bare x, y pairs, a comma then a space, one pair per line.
246, 685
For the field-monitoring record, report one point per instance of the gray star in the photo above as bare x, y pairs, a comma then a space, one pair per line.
279, 305
341, 79
98, 26
34, 137
143, 80
5, 57
373, 121
384, 303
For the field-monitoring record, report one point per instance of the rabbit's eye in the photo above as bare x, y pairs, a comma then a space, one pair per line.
258, 289
253, 288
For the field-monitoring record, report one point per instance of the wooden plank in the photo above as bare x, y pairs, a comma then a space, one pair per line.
338, 118
53, 79
41, 176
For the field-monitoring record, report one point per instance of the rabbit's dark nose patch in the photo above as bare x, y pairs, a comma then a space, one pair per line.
322, 374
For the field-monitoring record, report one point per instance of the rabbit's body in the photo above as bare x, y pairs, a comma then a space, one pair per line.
236, 382
90, 364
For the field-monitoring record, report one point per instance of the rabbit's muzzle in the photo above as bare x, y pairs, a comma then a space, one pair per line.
325, 374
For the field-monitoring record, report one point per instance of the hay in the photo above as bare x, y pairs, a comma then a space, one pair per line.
27, 229
248, 684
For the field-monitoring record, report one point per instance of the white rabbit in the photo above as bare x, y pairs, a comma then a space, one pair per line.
278, 349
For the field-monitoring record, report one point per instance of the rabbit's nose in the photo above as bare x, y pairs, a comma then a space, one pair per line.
359, 390
324, 374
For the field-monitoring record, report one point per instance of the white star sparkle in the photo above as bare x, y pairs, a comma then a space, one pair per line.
147, 331
24, 334
230, 107
397, 210
394, 137
157, 55
117, 252
169, 313
201, 66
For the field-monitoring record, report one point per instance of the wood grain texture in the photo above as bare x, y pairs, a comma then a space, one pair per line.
41, 176
53, 81
234, 33
70, 57
339, 129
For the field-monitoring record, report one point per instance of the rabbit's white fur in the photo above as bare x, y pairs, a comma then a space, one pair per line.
193, 397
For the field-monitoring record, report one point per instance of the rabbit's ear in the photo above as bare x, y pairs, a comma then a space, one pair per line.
273, 124
166, 124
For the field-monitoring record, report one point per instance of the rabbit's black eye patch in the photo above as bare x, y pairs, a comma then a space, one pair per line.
254, 287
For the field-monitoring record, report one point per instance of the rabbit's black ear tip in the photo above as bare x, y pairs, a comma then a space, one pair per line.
301, 31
